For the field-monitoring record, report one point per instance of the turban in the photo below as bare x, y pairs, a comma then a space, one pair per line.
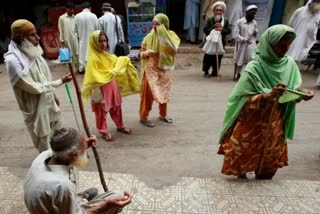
251, 7
21, 26
64, 138
219, 3
106, 5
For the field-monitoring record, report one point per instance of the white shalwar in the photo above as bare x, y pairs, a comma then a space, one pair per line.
85, 23
306, 26
108, 25
234, 13
33, 89
244, 30
68, 36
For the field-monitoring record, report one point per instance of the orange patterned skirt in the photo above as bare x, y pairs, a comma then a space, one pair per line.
243, 146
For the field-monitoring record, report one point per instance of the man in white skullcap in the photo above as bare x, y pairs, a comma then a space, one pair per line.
221, 24
245, 35
30, 78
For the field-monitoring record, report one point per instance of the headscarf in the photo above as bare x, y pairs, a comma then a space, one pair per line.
102, 67
264, 71
162, 41
219, 3
21, 26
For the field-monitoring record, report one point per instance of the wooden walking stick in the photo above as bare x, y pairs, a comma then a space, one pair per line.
266, 136
86, 127
217, 61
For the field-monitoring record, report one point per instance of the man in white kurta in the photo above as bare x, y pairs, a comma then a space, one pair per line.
67, 35
51, 184
305, 21
108, 25
32, 85
234, 13
245, 35
85, 23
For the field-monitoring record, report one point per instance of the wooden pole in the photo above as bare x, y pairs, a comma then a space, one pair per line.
85, 125
266, 136
217, 61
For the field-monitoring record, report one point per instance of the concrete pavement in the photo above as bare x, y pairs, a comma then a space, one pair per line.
175, 168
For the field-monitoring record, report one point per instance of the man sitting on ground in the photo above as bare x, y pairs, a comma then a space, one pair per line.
51, 182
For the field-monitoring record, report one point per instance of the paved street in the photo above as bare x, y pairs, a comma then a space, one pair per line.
174, 168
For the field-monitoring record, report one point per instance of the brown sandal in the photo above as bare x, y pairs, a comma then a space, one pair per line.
107, 137
124, 130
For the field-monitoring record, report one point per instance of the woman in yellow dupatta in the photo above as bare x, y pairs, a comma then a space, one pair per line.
158, 53
106, 77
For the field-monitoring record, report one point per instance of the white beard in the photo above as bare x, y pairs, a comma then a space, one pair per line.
314, 7
81, 161
30, 50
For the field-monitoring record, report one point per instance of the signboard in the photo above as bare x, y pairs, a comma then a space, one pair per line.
137, 31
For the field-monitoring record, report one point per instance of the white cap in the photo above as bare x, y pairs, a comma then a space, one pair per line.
250, 7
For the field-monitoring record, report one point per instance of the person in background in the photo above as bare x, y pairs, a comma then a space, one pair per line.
222, 25
256, 126
158, 53
191, 20
85, 23
245, 35
30, 78
67, 36
108, 24
124, 25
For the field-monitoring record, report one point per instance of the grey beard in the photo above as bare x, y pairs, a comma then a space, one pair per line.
30, 50
314, 7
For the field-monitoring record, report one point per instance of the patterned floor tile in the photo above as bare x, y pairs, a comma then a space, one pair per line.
313, 187
250, 204
194, 185
218, 186
245, 187
305, 205
144, 201
294, 188
12, 206
224, 204
277, 205
195, 203
269, 188
168, 201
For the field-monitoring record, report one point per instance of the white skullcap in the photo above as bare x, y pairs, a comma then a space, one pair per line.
219, 3
250, 7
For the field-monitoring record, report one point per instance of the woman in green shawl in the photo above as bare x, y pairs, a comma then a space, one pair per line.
256, 126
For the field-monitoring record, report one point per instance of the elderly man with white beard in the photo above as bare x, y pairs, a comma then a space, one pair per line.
52, 180
30, 79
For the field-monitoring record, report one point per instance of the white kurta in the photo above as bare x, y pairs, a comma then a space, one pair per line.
244, 30
85, 23
108, 25
67, 34
34, 94
234, 13
306, 26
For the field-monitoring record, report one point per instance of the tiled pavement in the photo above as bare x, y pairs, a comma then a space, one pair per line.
189, 195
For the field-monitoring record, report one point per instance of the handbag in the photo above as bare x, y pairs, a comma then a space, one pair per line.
122, 48
64, 54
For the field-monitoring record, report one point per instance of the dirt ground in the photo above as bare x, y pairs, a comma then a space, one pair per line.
160, 156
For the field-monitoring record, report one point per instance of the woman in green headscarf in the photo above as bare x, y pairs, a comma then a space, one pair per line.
250, 140
158, 53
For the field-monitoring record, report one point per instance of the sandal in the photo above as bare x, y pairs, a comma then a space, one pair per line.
147, 123
124, 130
166, 119
107, 137
89, 194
